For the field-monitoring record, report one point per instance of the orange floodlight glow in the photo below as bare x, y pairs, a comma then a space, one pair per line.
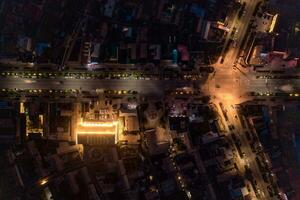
96, 133
98, 128
98, 124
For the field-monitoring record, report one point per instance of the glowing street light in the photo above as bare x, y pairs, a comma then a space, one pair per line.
43, 181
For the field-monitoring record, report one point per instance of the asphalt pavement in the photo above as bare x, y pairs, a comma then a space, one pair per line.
231, 84
141, 86
226, 81
249, 158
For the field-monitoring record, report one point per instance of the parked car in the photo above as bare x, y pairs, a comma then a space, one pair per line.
231, 127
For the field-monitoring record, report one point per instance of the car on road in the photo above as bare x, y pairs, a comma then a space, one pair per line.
222, 60
233, 32
243, 154
265, 177
248, 136
270, 191
255, 182
234, 137
252, 145
242, 10
234, 43
231, 127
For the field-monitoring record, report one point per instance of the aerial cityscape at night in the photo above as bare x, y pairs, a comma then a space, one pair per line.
149, 100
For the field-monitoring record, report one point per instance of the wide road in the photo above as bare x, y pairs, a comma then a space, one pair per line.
233, 86
230, 84
241, 26
141, 86
249, 158
250, 83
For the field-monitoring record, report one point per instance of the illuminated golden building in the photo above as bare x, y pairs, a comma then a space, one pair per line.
97, 132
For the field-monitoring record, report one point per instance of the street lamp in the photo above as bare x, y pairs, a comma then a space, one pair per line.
43, 181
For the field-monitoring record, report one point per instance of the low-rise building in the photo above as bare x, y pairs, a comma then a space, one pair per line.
157, 141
